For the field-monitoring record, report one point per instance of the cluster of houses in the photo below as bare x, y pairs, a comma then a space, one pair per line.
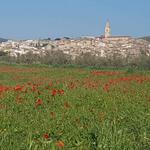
103, 46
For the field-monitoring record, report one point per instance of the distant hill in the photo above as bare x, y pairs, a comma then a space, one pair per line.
147, 38
3, 40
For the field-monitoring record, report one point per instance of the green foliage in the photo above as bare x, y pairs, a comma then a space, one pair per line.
2, 53
58, 58
85, 116
55, 58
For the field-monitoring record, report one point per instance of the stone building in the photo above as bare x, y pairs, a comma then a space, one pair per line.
107, 29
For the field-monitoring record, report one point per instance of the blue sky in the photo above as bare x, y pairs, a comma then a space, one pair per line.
34, 19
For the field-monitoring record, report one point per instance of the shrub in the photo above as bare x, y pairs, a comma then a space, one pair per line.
86, 59
55, 57
2, 53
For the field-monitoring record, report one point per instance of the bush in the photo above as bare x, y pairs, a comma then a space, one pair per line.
55, 58
2, 53
144, 62
86, 59
28, 58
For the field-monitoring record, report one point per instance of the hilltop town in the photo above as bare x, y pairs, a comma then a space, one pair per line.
103, 46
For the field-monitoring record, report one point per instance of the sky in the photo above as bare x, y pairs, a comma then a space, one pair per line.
38, 19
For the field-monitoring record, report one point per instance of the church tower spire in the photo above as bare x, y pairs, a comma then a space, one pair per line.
107, 29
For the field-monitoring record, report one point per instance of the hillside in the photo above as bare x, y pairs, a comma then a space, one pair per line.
3, 40
146, 38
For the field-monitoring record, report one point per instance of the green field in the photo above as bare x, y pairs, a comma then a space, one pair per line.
49, 108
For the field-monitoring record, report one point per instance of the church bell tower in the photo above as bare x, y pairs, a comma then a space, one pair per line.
107, 29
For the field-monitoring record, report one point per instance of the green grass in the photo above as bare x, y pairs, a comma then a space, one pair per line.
85, 117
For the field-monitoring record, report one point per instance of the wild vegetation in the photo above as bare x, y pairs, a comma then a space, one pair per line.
43, 108
86, 59
146, 38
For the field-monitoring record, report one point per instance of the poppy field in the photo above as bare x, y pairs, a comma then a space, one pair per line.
48, 108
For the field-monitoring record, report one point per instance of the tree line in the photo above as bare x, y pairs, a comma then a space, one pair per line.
85, 59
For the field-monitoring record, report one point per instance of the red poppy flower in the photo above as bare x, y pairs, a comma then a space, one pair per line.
54, 92
46, 136
60, 144
18, 88
3, 89
38, 102
60, 92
